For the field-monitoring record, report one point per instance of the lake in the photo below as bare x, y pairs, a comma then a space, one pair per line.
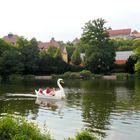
108, 108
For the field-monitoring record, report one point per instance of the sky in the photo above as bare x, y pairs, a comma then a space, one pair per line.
64, 19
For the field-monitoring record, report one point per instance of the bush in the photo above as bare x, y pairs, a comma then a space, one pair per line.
67, 74
85, 73
17, 128
84, 135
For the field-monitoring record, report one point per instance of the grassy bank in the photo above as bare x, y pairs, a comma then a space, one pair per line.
17, 128
84, 74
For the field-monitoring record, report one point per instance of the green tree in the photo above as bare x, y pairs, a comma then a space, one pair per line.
29, 54
136, 56
75, 58
100, 52
54, 52
130, 65
4, 46
58, 53
10, 63
70, 49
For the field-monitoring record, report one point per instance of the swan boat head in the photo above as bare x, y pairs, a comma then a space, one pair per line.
60, 92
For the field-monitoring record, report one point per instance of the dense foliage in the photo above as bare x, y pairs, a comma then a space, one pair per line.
100, 52
137, 58
75, 58
17, 128
26, 58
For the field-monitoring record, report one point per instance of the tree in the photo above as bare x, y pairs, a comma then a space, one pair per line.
130, 65
29, 54
70, 49
4, 46
10, 63
54, 51
100, 53
136, 57
75, 58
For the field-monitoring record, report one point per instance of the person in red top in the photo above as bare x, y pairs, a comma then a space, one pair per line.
48, 90
41, 91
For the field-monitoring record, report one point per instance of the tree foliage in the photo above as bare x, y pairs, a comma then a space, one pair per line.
100, 53
29, 54
54, 52
136, 57
75, 58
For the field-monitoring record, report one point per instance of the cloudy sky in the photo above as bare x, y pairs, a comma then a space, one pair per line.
64, 19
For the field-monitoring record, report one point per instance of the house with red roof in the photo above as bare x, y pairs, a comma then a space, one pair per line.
57, 44
11, 38
120, 33
124, 33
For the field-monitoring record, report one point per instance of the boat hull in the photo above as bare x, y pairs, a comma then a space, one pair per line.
39, 95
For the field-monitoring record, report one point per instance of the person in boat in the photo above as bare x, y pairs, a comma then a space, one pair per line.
48, 90
41, 91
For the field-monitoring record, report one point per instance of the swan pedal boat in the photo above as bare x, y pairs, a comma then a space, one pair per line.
57, 95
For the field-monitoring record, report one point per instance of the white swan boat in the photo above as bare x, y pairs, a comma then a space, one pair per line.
58, 94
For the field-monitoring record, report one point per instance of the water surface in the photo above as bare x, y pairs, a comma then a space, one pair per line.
109, 109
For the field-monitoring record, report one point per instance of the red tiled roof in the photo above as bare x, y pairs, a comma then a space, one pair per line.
45, 45
119, 32
11, 38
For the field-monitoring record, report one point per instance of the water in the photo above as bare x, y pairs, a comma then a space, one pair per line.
109, 109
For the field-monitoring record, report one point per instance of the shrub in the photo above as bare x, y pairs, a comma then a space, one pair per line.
67, 74
75, 75
17, 128
84, 135
85, 73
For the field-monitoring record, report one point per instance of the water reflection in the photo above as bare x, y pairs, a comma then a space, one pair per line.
21, 106
110, 109
54, 105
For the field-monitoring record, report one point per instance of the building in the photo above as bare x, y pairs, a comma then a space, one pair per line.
11, 38
57, 44
122, 56
124, 33
120, 33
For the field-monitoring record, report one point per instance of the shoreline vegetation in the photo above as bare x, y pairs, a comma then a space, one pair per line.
84, 74
16, 127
